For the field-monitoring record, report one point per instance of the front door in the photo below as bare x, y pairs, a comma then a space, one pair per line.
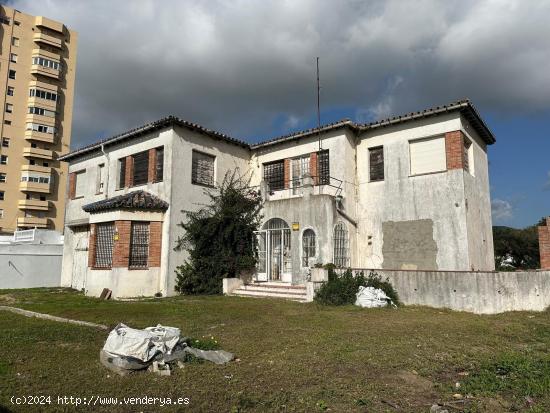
274, 252
261, 246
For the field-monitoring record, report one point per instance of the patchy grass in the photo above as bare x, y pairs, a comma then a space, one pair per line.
293, 357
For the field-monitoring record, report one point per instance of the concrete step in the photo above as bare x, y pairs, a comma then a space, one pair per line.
264, 294
274, 289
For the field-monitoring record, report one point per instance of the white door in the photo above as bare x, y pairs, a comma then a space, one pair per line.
261, 265
80, 258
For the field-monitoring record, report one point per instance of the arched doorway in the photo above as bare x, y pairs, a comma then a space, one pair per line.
274, 252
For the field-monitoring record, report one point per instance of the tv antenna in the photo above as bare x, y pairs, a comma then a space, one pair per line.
319, 107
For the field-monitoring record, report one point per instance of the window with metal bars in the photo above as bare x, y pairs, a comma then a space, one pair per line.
159, 167
308, 247
323, 167
202, 172
300, 167
121, 172
341, 245
104, 241
141, 168
274, 175
376, 164
139, 245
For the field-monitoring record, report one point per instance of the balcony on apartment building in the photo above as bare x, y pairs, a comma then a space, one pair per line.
33, 204
45, 39
43, 188
41, 21
37, 69
30, 152
39, 136
32, 222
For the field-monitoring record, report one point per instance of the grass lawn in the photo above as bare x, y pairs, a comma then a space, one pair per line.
293, 357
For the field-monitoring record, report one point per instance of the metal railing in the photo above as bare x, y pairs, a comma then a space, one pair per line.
26, 235
297, 185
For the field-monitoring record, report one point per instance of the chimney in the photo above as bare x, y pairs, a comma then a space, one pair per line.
544, 245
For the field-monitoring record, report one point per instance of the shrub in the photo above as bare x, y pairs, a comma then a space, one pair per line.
342, 290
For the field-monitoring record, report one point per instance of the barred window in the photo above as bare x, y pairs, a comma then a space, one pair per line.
274, 175
308, 247
341, 246
104, 241
323, 168
141, 168
376, 164
466, 155
121, 172
202, 171
139, 245
159, 167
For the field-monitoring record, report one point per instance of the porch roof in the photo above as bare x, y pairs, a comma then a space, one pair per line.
132, 200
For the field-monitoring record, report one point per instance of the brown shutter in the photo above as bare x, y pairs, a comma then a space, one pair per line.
72, 185
151, 167
454, 148
313, 167
287, 173
155, 243
91, 246
121, 248
129, 174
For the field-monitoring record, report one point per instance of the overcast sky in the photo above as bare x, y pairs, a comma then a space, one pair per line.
247, 68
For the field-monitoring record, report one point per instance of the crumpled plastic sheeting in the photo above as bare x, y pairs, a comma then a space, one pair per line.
370, 297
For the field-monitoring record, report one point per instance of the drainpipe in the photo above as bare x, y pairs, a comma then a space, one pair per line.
338, 202
107, 167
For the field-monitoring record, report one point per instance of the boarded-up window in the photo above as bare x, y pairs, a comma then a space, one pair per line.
80, 184
104, 240
139, 245
467, 145
376, 164
323, 168
159, 167
274, 175
121, 172
341, 245
428, 155
202, 172
141, 168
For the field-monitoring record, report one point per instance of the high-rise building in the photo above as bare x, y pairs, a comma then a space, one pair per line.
37, 75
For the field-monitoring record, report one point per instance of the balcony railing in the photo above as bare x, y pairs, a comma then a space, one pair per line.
33, 204
34, 187
39, 136
32, 222
47, 40
30, 152
45, 71
320, 185
36, 168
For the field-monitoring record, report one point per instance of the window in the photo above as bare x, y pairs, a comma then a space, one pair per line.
159, 167
3, 159
2, 195
141, 168
323, 168
45, 164
9, 108
121, 173
2, 177
13, 58
428, 155
274, 175
1, 213
467, 145
308, 247
376, 164
36, 178
41, 128
80, 184
300, 167
139, 245
341, 245
42, 94
11, 90
6, 142
4, 20
100, 178
104, 240
33, 110
11, 74
42, 61
42, 197
202, 169
15, 41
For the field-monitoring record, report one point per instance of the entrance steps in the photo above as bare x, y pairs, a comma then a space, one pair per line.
273, 290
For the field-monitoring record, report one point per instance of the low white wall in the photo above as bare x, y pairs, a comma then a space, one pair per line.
476, 292
123, 283
30, 265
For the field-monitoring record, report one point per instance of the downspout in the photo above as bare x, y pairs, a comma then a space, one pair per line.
338, 203
107, 167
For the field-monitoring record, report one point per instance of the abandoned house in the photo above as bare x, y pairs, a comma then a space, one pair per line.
410, 192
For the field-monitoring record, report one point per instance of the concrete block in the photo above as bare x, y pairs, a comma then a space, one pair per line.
231, 284
319, 275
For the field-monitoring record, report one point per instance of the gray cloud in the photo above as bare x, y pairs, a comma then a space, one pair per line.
501, 210
245, 67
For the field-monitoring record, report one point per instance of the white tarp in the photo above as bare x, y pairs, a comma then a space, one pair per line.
371, 297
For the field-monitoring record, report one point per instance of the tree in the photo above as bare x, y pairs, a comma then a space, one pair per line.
219, 237
516, 248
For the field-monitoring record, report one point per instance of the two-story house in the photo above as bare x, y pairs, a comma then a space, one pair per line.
410, 192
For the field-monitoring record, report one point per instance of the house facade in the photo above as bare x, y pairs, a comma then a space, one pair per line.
410, 192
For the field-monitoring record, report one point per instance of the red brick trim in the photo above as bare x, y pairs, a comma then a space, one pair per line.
287, 173
544, 245
155, 243
121, 247
313, 167
129, 174
454, 148
151, 171
72, 185
91, 246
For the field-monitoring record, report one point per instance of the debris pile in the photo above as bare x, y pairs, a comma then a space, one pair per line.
371, 297
155, 348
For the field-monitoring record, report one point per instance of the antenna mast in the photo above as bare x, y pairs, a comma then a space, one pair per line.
318, 106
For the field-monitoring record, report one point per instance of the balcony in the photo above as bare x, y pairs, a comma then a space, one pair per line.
32, 222
34, 204
37, 168
44, 103
34, 187
40, 119
41, 21
39, 136
37, 153
48, 40
44, 71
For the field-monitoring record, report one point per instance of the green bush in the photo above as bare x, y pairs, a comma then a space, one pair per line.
342, 290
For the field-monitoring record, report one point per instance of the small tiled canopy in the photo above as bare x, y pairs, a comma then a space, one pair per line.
132, 200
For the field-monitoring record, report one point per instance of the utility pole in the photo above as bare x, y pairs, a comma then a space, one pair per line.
319, 107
